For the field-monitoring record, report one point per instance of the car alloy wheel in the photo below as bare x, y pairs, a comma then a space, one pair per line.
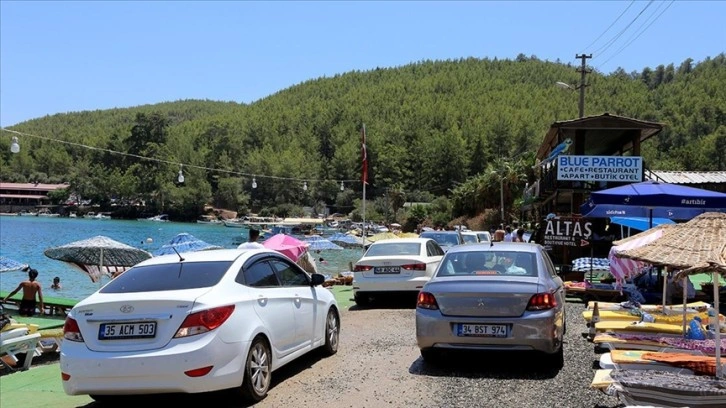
332, 332
257, 371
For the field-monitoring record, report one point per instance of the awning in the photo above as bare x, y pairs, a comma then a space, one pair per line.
640, 223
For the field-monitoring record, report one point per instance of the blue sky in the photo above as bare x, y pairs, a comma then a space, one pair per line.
72, 56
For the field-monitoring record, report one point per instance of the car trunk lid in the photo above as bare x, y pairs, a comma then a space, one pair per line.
484, 296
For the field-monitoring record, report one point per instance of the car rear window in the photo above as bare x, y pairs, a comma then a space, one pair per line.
470, 239
394, 248
490, 262
173, 276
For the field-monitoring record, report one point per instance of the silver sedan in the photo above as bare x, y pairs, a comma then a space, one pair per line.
505, 296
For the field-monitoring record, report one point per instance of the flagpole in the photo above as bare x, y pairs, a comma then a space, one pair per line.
364, 179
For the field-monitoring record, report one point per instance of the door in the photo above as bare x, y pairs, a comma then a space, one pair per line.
272, 304
296, 283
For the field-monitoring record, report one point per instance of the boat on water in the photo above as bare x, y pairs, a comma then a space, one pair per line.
209, 219
156, 218
97, 216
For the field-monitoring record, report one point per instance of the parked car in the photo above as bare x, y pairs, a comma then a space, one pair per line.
470, 237
197, 322
502, 297
395, 265
484, 236
445, 239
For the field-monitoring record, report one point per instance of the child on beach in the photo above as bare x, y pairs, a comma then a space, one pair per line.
30, 288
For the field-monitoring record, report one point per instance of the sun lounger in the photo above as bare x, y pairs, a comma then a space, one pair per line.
656, 342
694, 306
668, 389
635, 360
635, 315
602, 379
12, 345
638, 327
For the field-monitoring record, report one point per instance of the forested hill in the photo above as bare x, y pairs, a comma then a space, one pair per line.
431, 125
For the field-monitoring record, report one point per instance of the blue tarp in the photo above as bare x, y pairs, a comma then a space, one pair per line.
318, 243
640, 223
184, 242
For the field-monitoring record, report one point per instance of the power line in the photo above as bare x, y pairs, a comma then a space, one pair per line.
193, 166
617, 36
639, 33
610, 26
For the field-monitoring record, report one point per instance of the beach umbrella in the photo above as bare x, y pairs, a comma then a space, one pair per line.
345, 240
380, 236
98, 256
622, 268
318, 243
697, 246
287, 245
9, 265
184, 242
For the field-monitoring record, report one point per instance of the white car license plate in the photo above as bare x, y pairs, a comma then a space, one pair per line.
482, 330
135, 330
387, 269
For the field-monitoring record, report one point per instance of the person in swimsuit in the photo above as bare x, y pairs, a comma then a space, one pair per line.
30, 288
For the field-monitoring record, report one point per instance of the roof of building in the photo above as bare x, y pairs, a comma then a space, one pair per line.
606, 131
32, 186
691, 177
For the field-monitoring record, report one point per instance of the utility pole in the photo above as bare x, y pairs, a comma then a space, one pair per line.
583, 71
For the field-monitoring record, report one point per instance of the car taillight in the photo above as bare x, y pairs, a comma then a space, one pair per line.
71, 331
415, 267
427, 301
362, 268
204, 321
542, 301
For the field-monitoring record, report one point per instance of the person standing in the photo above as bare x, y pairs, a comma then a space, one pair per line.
252, 240
519, 236
30, 288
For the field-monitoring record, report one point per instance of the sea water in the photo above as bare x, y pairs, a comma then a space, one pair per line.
24, 239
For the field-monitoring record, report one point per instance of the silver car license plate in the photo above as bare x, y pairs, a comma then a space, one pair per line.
482, 330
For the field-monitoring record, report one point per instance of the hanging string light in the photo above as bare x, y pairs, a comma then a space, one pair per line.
254, 183
15, 146
342, 186
305, 186
180, 179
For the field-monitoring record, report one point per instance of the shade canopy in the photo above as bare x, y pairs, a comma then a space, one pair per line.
696, 246
9, 265
184, 242
622, 268
100, 251
345, 239
654, 200
640, 223
318, 243
287, 245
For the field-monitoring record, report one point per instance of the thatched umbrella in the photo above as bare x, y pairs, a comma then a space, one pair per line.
98, 255
697, 246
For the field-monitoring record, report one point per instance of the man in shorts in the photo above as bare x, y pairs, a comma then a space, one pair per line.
30, 288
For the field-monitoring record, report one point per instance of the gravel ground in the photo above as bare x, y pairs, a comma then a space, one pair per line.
379, 365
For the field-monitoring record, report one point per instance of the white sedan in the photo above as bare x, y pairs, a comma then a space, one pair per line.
197, 322
393, 266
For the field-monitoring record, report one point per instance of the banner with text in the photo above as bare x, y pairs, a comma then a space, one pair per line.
565, 231
600, 168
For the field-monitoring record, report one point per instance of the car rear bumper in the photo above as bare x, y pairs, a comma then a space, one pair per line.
535, 331
154, 371
361, 284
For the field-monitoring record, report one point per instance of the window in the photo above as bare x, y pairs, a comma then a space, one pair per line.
290, 275
260, 275
433, 249
171, 276
392, 249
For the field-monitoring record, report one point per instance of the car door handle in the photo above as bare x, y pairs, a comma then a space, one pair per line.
262, 300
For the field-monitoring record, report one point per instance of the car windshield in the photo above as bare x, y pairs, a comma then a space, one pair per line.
442, 238
470, 239
483, 237
171, 276
394, 248
488, 262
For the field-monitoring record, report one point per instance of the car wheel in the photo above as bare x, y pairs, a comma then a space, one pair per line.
258, 371
431, 356
362, 300
332, 333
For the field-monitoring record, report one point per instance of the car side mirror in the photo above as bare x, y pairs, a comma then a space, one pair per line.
317, 279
